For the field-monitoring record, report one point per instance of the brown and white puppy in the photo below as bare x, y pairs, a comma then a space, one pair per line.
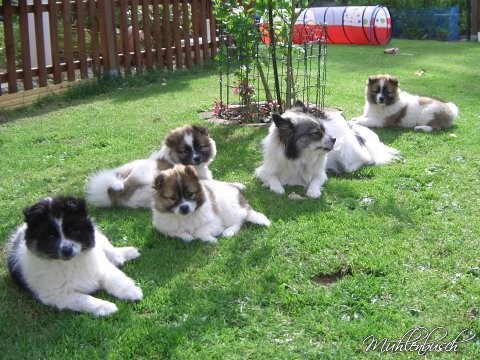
187, 207
388, 106
130, 185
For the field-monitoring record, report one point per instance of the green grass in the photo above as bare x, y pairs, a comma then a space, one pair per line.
406, 234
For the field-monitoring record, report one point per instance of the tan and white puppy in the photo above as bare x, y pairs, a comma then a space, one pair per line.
388, 106
187, 207
130, 185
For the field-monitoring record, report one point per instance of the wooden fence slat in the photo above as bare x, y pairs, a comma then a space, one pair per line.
25, 44
81, 41
9, 47
40, 42
136, 36
124, 49
167, 33
94, 38
52, 13
157, 34
186, 34
196, 31
67, 40
108, 36
176, 35
147, 36
203, 29
213, 29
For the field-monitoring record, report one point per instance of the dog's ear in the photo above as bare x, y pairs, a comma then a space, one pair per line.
284, 125
372, 79
300, 106
36, 212
75, 206
200, 129
191, 171
159, 181
392, 80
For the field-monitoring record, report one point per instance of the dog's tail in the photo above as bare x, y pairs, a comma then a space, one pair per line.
98, 186
257, 218
379, 152
453, 109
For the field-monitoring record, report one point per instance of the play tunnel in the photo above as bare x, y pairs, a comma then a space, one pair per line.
345, 25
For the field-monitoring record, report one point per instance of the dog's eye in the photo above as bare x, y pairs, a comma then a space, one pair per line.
171, 197
189, 194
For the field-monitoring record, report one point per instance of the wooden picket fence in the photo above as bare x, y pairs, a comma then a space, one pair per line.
50, 44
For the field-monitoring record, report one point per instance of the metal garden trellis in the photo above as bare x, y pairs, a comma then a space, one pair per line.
246, 80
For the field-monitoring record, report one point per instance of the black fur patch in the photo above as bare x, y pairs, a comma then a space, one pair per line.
43, 231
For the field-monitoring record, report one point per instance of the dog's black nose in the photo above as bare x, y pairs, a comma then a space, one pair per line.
381, 99
184, 209
67, 252
334, 139
197, 159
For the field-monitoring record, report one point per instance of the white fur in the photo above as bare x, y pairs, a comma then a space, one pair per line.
348, 154
276, 171
203, 222
66, 284
417, 116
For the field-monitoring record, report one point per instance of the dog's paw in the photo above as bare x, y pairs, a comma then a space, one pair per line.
117, 185
186, 237
210, 239
118, 256
229, 232
238, 185
129, 252
132, 293
104, 308
277, 189
314, 193
424, 128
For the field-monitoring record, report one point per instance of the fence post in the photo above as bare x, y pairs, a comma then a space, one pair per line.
106, 22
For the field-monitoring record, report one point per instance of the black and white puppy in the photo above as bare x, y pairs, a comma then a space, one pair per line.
301, 146
187, 207
61, 257
388, 106
130, 185
295, 152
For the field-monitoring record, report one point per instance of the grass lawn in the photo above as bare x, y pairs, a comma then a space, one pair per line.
406, 235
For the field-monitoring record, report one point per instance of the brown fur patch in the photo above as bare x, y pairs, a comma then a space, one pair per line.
395, 119
163, 164
213, 200
424, 100
120, 197
441, 120
242, 201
